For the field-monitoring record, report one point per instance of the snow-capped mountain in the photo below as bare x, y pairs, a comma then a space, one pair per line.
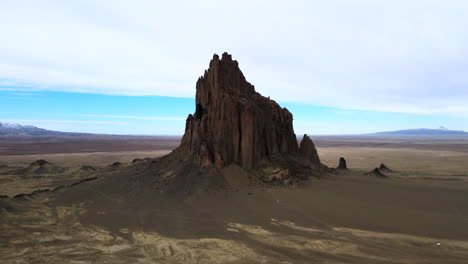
8, 129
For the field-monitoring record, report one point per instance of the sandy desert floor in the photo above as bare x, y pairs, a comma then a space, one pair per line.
418, 214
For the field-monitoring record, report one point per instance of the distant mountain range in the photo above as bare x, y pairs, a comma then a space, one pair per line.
12, 131
7, 129
17, 130
424, 132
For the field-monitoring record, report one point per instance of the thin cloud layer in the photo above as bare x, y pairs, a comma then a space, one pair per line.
167, 118
26, 121
393, 56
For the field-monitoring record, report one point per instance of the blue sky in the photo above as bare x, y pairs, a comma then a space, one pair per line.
159, 115
130, 67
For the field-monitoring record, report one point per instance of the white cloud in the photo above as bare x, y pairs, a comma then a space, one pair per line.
169, 118
397, 56
29, 121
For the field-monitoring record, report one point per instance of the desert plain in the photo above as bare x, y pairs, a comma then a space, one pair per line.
418, 213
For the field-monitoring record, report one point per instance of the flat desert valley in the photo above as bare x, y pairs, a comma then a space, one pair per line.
417, 213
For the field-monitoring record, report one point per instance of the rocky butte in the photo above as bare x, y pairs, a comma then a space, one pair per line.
234, 124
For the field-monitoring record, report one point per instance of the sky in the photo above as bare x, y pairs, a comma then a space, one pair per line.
130, 67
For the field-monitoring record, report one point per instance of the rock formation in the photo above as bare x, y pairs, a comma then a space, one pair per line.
233, 123
342, 164
40, 167
384, 168
115, 165
307, 150
377, 173
85, 170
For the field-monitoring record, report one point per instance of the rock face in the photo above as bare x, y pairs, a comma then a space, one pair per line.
342, 164
233, 123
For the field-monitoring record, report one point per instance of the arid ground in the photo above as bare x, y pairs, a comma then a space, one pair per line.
417, 214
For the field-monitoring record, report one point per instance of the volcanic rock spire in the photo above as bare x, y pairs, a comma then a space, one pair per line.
342, 164
308, 151
233, 123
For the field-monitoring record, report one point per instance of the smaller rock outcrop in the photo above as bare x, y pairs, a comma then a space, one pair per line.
307, 150
84, 170
40, 167
342, 164
115, 165
40, 162
141, 160
377, 173
384, 168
